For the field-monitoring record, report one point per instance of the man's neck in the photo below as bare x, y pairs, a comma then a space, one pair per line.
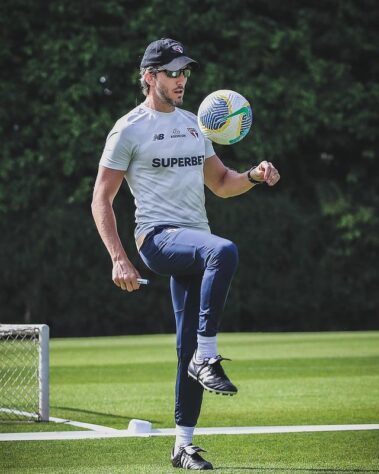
155, 104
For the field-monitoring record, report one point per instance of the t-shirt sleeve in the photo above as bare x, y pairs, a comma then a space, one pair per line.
117, 153
209, 151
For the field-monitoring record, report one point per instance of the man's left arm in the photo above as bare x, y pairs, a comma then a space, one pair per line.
225, 182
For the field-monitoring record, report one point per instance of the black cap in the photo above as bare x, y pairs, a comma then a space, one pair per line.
166, 53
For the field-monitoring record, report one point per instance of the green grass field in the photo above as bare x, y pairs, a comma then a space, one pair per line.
283, 379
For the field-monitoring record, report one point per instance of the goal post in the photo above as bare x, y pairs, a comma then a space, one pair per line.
24, 372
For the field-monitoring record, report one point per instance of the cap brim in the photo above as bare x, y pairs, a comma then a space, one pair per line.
179, 63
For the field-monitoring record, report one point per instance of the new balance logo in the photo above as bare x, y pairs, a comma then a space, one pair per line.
158, 136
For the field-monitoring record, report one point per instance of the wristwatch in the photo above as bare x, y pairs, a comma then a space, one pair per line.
251, 179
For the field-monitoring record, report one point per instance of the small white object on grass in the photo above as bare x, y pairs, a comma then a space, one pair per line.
139, 426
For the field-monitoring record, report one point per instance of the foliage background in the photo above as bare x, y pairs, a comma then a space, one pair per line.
308, 247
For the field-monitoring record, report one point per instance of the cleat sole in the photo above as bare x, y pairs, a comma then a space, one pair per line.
211, 390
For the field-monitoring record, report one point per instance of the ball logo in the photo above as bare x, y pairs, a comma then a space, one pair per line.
178, 49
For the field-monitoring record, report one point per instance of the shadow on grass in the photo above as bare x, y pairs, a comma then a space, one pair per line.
295, 469
124, 419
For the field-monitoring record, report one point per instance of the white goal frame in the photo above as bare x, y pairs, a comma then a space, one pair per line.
42, 374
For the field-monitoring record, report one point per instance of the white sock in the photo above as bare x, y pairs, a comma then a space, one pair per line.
184, 435
206, 348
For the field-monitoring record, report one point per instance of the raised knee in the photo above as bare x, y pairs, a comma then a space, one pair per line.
230, 249
227, 251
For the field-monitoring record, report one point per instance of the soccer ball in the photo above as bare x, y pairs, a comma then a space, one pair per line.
225, 117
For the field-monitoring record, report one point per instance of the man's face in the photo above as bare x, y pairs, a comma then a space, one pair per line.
170, 90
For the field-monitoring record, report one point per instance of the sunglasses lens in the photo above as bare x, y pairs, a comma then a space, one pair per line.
174, 74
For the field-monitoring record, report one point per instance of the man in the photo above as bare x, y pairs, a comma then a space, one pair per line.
160, 151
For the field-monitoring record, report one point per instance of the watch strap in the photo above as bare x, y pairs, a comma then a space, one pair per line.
251, 179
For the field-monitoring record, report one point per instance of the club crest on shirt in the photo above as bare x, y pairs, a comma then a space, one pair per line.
193, 132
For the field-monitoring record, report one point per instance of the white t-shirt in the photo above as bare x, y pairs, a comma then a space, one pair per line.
163, 156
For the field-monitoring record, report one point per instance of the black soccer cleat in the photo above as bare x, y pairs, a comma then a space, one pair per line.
211, 375
188, 458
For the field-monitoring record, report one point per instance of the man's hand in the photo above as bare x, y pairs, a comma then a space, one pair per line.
124, 275
267, 172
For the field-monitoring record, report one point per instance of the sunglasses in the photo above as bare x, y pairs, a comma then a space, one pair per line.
186, 72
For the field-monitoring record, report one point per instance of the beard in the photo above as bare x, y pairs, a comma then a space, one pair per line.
162, 93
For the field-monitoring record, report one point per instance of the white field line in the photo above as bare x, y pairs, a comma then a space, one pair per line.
238, 430
79, 424
19, 412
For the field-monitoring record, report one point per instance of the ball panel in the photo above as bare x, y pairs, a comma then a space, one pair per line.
214, 113
225, 117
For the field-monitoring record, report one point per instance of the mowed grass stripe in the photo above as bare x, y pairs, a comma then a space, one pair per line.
257, 369
161, 348
346, 452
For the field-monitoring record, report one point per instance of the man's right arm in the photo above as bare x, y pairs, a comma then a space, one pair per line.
107, 184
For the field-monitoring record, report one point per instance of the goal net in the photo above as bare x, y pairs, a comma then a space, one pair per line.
24, 372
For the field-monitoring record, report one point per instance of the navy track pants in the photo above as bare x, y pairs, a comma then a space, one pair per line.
201, 266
